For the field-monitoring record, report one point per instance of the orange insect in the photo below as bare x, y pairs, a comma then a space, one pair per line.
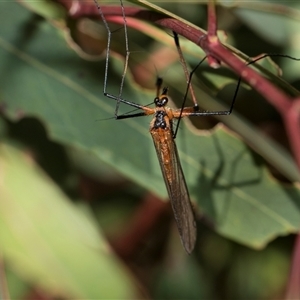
161, 129
163, 135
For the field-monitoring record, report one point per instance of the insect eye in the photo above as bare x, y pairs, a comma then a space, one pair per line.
157, 101
161, 101
164, 100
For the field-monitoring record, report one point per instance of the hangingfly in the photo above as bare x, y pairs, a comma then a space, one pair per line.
163, 135
161, 129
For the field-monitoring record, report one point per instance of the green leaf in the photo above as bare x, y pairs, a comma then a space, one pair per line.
50, 241
261, 23
46, 9
42, 77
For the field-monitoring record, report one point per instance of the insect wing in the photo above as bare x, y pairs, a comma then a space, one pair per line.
175, 182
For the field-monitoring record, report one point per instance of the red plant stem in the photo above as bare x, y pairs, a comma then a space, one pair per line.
293, 286
143, 223
212, 31
212, 19
292, 123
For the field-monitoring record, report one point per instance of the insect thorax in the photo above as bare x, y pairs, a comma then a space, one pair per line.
160, 120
